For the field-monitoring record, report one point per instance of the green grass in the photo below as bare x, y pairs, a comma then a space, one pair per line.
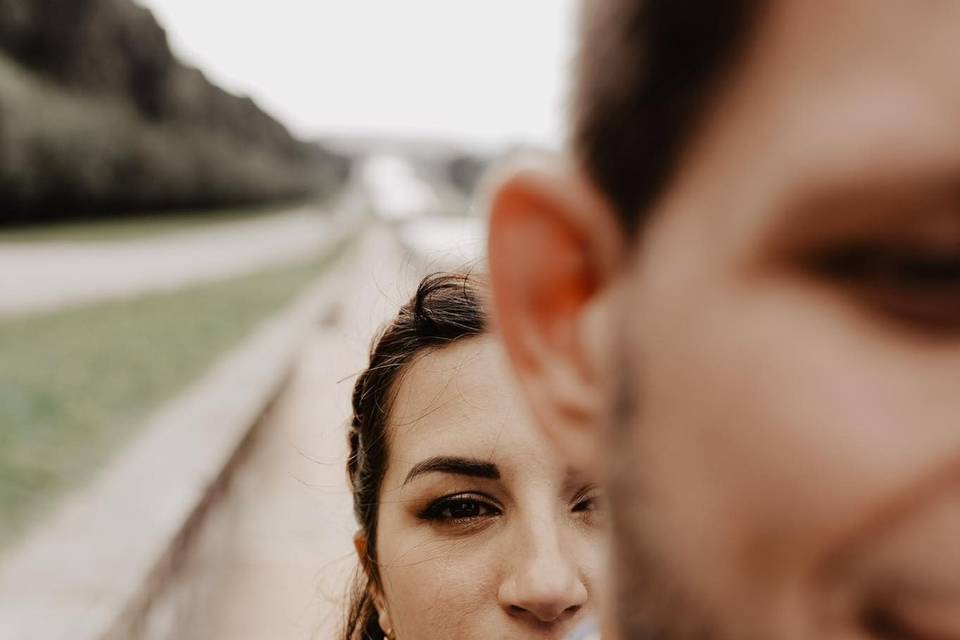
75, 385
136, 226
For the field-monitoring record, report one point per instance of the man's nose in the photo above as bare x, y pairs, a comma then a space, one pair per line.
544, 584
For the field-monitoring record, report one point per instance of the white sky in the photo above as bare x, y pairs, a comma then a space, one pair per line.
486, 71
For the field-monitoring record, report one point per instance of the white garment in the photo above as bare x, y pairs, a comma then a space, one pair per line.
589, 630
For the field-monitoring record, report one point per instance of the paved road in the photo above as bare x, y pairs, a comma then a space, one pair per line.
274, 555
37, 277
273, 558
447, 242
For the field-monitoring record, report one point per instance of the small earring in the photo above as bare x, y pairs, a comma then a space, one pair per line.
389, 634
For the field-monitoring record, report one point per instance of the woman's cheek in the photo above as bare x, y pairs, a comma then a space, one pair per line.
444, 589
594, 552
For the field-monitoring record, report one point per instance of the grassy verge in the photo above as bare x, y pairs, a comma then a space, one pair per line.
138, 226
76, 384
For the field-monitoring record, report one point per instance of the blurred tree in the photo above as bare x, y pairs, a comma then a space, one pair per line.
98, 117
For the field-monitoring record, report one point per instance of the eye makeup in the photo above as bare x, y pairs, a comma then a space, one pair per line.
463, 510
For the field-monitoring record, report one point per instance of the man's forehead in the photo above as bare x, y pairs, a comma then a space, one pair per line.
830, 99
820, 39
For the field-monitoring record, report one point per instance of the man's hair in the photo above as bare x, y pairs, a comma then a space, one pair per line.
646, 73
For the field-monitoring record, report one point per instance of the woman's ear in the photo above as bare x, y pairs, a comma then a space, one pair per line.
554, 252
383, 614
360, 545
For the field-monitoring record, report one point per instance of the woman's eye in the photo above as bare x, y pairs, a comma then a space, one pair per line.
590, 501
588, 504
463, 509
460, 509
914, 287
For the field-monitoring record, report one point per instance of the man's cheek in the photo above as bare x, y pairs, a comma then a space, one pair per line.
777, 422
723, 449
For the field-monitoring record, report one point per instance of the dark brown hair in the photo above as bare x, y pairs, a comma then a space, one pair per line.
646, 72
445, 309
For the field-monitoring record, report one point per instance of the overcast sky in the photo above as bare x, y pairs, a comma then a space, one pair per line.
490, 71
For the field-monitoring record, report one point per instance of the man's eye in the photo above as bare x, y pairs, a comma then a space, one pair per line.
460, 509
921, 289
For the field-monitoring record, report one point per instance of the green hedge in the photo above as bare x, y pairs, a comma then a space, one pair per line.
65, 154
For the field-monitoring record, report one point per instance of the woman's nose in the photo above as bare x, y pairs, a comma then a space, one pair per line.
544, 584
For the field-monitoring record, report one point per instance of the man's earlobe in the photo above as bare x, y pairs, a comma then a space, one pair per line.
554, 253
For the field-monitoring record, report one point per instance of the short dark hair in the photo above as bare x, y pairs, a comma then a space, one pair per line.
646, 72
447, 308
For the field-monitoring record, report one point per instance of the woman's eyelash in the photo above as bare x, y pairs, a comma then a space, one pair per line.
463, 507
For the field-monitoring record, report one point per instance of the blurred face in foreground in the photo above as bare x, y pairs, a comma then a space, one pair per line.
483, 531
771, 371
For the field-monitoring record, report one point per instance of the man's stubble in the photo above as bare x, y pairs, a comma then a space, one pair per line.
651, 601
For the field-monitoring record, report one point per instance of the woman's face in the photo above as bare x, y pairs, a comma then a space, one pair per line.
483, 531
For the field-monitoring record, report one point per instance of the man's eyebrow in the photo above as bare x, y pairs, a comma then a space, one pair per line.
889, 198
455, 465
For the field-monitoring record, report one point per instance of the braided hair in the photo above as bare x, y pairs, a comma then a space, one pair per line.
445, 309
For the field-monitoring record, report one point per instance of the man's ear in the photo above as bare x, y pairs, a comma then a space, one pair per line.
555, 250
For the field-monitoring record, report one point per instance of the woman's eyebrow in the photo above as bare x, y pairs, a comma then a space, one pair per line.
455, 465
